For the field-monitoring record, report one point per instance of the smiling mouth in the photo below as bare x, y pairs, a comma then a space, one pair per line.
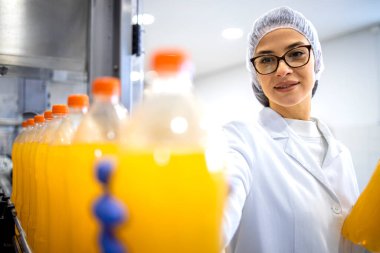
285, 86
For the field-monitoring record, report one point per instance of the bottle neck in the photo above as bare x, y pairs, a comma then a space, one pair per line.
56, 120
101, 98
39, 124
58, 116
78, 110
178, 83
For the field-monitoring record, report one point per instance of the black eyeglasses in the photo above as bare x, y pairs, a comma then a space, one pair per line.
294, 58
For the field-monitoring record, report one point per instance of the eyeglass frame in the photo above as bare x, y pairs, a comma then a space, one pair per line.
252, 60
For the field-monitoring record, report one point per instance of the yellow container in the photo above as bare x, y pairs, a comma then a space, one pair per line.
362, 225
97, 135
16, 148
172, 202
25, 178
42, 233
82, 191
41, 221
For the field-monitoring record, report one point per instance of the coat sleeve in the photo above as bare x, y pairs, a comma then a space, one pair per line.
239, 177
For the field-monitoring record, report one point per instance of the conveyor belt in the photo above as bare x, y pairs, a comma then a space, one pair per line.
13, 237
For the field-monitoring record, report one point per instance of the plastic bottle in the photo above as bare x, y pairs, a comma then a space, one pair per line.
57, 173
97, 135
59, 111
38, 127
174, 200
25, 178
16, 164
40, 239
18, 176
22, 170
362, 225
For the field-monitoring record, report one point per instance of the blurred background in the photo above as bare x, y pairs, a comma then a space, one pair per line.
36, 75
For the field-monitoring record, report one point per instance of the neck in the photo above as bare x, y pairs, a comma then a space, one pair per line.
300, 111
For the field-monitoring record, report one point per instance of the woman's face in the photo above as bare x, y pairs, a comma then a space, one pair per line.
286, 87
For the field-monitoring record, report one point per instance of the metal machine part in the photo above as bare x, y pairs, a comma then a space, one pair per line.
44, 34
68, 42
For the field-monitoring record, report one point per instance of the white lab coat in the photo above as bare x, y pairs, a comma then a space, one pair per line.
281, 200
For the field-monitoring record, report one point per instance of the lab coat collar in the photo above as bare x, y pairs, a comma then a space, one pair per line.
334, 149
277, 128
274, 123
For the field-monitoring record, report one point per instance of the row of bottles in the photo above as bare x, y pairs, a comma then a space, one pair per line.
174, 194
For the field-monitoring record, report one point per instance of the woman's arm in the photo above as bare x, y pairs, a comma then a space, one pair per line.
239, 177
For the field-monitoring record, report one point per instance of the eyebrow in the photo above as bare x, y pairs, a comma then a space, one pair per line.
293, 45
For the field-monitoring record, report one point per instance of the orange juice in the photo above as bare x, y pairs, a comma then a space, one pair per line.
173, 201
16, 169
24, 215
362, 225
55, 196
15, 160
57, 166
82, 191
19, 175
15, 150
40, 236
39, 123
42, 233
25, 178
21, 183
57, 215
32, 195
174, 204
96, 135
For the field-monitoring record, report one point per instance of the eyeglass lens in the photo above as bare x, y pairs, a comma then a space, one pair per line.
296, 57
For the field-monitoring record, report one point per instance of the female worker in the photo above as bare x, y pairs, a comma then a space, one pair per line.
292, 183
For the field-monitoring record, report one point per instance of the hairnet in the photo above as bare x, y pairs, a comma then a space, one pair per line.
282, 17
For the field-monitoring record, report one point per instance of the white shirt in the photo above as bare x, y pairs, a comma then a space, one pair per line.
308, 131
280, 199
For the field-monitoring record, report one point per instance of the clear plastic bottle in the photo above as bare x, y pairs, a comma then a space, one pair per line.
22, 151
58, 182
39, 121
97, 135
362, 225
174, 201
25, 172
16, 164
59, 111
40, 237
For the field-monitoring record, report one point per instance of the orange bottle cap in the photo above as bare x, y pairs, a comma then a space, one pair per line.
39, 118
107, 86
30, 122
60, 109
48, 115
78, 100
24, 124
169, 60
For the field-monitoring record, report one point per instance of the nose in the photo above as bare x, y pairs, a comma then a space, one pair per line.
283, 69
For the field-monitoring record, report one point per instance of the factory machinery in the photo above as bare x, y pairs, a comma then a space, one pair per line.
54, 47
